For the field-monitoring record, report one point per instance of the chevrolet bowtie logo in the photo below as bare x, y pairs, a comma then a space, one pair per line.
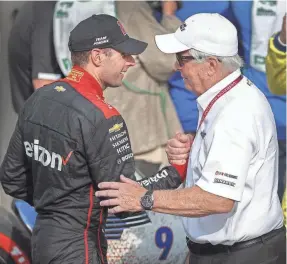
60, 89
116, 127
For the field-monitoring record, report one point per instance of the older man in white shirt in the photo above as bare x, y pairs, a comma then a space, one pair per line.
229, 203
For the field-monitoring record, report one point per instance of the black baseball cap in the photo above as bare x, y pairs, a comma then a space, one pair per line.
103, 31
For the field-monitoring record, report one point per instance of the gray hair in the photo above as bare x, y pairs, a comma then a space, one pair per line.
231, 63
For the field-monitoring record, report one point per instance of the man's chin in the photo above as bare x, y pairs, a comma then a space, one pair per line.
115, 85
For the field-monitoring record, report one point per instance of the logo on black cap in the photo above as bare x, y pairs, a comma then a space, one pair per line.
122, 28
101, 40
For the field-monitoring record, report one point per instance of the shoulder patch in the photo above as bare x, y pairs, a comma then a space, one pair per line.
60, 89
249, 82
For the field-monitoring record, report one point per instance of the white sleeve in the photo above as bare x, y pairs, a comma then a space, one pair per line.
229, 156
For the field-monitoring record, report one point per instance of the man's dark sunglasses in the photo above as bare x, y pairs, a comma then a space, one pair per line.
181, 59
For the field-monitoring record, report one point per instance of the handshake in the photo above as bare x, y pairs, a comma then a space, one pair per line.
178, 148
125, 196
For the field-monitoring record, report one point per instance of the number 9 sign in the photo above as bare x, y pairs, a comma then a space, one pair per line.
164, 240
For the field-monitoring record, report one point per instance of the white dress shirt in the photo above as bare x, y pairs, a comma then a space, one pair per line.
235, 155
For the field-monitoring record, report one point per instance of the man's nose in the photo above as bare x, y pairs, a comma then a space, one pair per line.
176, 66
130, 60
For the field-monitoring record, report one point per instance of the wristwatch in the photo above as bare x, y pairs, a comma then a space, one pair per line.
147, 200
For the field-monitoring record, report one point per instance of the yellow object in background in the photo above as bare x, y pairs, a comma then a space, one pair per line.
276, 76
284, 208
276, 66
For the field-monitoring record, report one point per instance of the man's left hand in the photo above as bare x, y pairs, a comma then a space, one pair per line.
123, 196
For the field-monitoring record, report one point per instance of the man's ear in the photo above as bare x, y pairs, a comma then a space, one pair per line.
213, 64
96, 57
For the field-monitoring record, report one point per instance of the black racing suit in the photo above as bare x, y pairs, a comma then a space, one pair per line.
67, 140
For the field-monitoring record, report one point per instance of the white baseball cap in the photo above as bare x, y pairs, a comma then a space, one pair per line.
209, 33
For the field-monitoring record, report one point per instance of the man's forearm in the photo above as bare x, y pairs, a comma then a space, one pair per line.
166, 178
190, 202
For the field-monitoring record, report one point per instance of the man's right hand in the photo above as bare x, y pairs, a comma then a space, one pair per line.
178, 148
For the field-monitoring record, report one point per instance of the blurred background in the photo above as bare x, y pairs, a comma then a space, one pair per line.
8, 115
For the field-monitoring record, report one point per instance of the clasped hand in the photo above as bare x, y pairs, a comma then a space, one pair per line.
125, 196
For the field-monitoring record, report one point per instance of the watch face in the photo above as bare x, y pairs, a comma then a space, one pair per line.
147, 201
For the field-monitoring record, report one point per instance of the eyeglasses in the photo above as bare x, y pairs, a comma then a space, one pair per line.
181, 59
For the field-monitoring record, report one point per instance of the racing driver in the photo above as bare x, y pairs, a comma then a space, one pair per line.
68, 139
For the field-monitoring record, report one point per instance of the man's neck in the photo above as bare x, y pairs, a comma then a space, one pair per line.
96, 76
214, 80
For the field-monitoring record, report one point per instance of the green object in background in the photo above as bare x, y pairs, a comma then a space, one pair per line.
162, 96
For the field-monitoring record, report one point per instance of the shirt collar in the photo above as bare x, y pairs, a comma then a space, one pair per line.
84, 82
204, 99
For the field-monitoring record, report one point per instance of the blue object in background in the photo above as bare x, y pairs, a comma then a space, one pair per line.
242, 12
27, 213
184, 102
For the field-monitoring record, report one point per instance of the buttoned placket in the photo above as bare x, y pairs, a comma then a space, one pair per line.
193, 155
193, 162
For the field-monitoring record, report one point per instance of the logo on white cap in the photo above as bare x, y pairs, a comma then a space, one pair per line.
182, 27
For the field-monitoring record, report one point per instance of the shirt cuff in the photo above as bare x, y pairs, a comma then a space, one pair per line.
181, 169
